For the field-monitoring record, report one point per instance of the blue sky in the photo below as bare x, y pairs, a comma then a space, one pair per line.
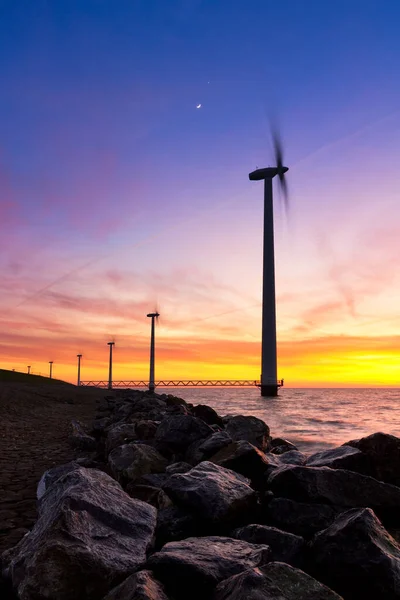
103, 153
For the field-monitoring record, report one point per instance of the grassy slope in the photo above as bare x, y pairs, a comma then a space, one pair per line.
15, 377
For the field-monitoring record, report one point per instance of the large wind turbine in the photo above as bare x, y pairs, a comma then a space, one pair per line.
269, 377
154, 315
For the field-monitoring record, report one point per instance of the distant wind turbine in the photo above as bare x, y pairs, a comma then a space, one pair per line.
154, 317
111, 344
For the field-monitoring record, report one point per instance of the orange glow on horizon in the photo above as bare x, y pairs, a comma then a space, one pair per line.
327, 362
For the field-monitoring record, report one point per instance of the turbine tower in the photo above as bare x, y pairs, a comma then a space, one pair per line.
79, 369
154, 315
269, 377
111, 344
51, 369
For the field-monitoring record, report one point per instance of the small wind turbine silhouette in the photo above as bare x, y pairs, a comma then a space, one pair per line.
154, 317
269, 380
111, 344
79, 356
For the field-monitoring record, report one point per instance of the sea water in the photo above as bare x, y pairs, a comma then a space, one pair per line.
313, 419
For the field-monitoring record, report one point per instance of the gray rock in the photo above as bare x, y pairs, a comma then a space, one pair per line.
204, 449
176, 433
154, 479
207, 414
80, 439
274, 581
175, 524
120, 434
139, 586
251, 429
292, 457
131, 461
357, 557
149, 408
212, 492
383, 450
89, 535
300, 518
178, 467
338, 487
52, 475
280, 445
286, 547
244, 458
193, 567
100, 425
147, 493
146, 429
344, 457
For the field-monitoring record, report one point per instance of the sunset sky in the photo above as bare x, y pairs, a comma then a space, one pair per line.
118, 194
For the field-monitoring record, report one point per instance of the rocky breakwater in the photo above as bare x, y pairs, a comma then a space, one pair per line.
171, 501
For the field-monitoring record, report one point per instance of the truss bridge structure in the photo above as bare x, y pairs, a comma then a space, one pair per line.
178, 383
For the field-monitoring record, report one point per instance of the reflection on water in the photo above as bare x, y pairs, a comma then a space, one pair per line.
313, 419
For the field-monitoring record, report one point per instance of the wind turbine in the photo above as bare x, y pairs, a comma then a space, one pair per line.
79, 356
269, 378
111, 344
154, 316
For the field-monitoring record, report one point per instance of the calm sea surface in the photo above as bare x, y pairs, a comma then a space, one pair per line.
313, 419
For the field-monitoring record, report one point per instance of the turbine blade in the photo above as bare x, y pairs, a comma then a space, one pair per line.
285, 192
277, 143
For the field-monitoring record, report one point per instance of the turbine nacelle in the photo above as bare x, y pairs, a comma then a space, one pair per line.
267, 173
154, 314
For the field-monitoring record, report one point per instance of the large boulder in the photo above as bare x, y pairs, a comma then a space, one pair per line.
89, 536
274, 581
298, 517
357, 557
139, 586
131, 461
204, 449
176, 433
337, 487
193, 567
207, 414
383, 450
249, 428
212, 492
343, 457
244, 458
286, 547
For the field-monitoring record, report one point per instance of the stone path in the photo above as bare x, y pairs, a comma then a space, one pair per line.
34, 429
